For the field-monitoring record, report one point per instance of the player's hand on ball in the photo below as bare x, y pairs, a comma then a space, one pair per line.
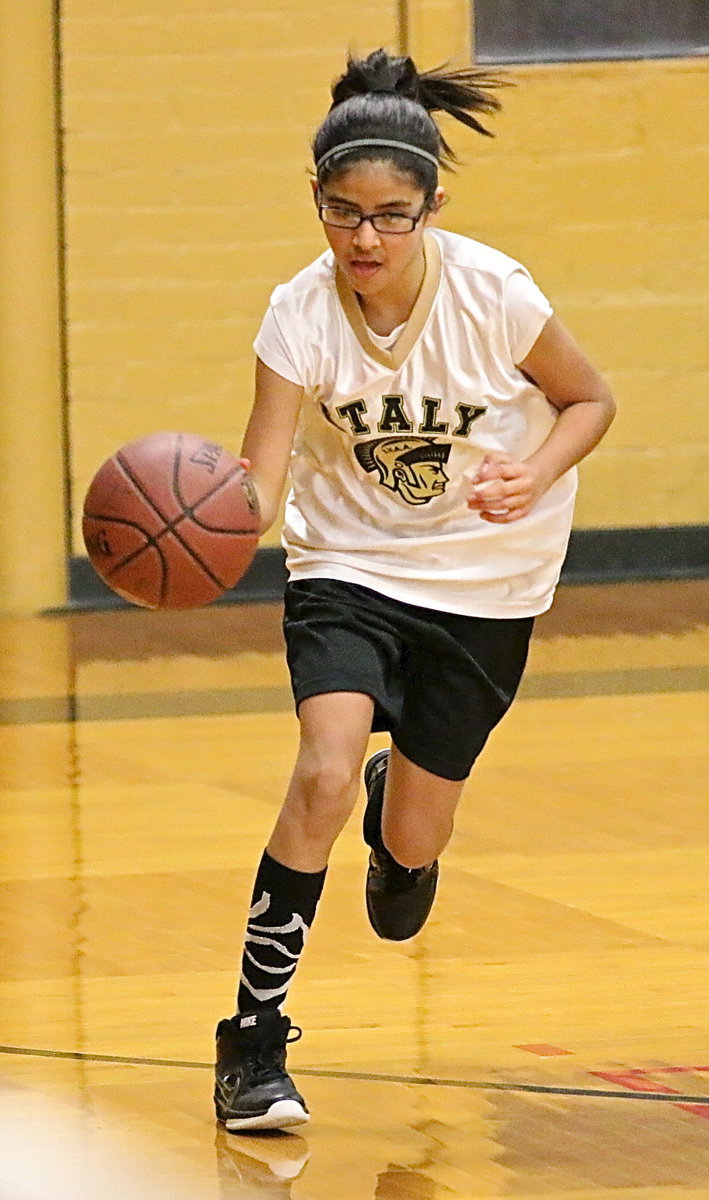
504, 490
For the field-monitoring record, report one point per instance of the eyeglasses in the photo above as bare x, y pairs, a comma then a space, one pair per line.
386, 222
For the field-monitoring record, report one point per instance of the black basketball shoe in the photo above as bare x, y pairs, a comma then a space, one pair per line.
399, 899
252, 1089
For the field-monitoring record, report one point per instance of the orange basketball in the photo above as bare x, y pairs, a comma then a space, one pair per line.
171, 521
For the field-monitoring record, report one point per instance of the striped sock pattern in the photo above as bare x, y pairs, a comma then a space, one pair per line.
281, 913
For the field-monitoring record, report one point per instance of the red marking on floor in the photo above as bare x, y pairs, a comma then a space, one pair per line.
543, 1050
673, 1070
639, 1081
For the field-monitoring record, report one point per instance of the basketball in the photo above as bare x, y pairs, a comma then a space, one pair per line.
171, 521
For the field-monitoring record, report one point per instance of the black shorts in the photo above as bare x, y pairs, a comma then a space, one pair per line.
440, 682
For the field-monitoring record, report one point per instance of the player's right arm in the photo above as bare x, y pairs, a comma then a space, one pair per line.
269, 437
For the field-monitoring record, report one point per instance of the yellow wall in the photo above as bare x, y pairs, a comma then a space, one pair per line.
187, 134
32, 492
598, 181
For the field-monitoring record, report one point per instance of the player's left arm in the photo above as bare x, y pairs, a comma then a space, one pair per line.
504, 489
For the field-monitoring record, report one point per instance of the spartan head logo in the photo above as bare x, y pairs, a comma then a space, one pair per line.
411, 466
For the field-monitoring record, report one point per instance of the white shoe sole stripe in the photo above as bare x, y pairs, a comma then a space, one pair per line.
280, 1115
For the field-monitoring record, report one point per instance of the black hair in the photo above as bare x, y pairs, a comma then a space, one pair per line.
383, 96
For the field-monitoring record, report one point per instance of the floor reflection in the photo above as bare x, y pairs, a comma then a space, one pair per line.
266, 1166
403, 1183
569, 916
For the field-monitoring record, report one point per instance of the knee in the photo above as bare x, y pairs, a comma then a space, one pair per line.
414, 843
324, 791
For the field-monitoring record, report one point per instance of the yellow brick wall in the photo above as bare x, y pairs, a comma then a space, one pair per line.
187, 147
598, 181
188, 125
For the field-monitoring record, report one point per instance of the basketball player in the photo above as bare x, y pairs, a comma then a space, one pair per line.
431, 409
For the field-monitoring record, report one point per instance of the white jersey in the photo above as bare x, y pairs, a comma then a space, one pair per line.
388, 439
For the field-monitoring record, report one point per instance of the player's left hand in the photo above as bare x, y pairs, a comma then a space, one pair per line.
504, 490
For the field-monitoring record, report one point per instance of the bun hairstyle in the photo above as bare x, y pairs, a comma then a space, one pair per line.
383, 98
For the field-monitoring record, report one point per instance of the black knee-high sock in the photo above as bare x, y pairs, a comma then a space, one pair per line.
282, 910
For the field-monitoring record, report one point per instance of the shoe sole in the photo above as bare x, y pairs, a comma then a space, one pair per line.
373, 768
281, 1115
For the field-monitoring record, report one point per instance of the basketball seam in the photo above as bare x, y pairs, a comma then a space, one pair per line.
169, 526
150, 541
201, 524
207, 496
99, 516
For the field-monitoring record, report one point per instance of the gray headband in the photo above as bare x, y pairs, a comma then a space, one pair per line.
374, 142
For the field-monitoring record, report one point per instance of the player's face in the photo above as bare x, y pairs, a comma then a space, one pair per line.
377, 263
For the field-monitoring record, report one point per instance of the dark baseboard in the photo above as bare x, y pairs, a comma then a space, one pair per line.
594, 556
263, 583
624, 555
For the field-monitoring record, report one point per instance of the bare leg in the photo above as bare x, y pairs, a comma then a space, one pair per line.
334, 731
417, 818
252, 1089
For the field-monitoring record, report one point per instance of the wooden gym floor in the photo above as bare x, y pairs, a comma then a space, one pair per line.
545, 1036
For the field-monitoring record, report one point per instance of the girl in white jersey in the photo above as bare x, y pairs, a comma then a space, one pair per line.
431, 409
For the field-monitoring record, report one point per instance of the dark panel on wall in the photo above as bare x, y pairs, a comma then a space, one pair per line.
595, 556
555, 30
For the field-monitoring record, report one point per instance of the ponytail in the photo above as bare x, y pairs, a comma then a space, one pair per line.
381, 109
460, 93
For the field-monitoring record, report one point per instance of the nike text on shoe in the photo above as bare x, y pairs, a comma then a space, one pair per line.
252, 1089
399, 899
